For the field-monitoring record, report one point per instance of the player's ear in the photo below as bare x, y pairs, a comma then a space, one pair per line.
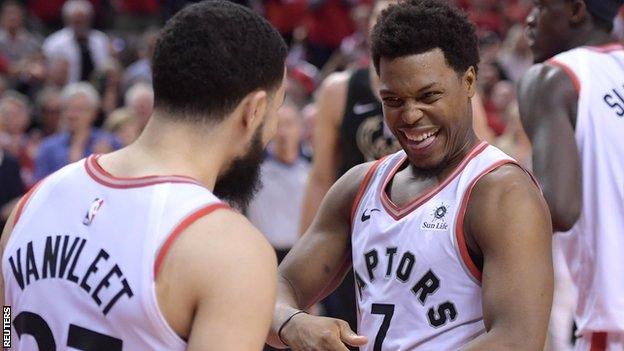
255, 105
470, 80
578, 12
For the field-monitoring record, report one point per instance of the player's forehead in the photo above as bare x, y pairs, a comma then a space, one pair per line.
415, 72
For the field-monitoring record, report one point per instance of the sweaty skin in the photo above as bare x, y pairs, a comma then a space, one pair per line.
507, 224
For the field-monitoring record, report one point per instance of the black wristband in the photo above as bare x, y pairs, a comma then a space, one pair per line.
279, 331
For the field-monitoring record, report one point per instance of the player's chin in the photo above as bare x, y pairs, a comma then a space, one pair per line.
428, 153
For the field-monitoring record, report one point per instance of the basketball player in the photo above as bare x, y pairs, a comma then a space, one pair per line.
572, 108
449, 238
135, 250
350, 131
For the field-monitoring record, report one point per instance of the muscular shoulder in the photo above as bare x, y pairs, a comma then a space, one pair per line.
349, 184
545, 90
221, 242
504, 197
545, 78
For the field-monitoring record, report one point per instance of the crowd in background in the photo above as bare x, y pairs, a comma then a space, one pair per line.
75, 79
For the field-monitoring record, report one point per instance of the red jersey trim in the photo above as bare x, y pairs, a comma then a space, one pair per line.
598, 341
22, 203
175, 233
101, 176
459, 224
398, 212
606, 48
362, 189
569, 72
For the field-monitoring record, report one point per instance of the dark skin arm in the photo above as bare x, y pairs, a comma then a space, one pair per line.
548, 100
508, 224
314, 268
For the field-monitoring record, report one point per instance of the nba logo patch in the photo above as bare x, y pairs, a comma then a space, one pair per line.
93, 210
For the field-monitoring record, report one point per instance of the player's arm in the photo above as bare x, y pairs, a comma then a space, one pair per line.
331, 100
548, 99
507, 222
314, 268
6, 234
217, 284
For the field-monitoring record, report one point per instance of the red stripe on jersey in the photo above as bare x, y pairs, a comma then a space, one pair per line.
398, 212
606, 48
101, 176
24, 200
598, 341
363, 186
186, 222
569, 72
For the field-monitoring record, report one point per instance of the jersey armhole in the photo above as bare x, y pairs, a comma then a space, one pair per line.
467, 261
24, 201
569, 72
363, 186
177, 230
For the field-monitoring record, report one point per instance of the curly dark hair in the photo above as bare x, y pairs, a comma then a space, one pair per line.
210, 55
413, 27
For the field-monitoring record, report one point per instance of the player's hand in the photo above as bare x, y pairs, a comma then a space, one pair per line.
306, 333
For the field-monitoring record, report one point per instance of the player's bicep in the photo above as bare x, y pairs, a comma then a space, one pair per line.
510, 223
547, 99
319, 260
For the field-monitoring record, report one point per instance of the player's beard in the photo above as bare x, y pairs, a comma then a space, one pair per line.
242, 180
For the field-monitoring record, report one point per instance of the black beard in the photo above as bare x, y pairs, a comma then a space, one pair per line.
242, 180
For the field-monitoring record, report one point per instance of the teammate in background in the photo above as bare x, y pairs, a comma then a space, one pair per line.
449, 238
350, 131
572, 110
135, 250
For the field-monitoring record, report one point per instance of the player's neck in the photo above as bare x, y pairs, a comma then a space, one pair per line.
590, 36
166, 148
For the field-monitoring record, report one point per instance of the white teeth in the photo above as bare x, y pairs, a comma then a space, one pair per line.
420, 138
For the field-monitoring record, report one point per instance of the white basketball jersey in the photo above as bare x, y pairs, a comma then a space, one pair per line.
594, 246
417, 287
79, 268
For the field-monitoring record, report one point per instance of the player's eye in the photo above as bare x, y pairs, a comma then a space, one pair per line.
392, 101
431, 97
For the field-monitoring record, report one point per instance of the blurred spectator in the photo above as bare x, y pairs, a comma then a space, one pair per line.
141, 70
85, 49
80, 103
124, 124
139, 99
108, 84
16, 43
328, 23
48, 105
354, 49
285, 15
308, 113
15, 117
58, 72
276, 209
11, 186
515, 58
512, 139
133, 15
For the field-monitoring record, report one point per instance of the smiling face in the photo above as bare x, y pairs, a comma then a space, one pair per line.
427, 106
